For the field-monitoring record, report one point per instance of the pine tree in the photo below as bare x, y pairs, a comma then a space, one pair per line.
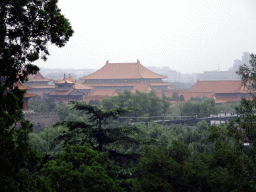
101, 133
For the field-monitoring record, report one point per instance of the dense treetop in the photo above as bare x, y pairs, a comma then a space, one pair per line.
25, 28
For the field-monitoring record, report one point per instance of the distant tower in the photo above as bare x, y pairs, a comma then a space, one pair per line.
246, 58
237, 64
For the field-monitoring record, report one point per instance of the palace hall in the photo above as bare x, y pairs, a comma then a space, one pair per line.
124, 76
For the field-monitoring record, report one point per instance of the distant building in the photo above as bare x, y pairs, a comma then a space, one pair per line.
188, 78
245, 60
172, 76
124, 76
225, 75
22, 87
220, 91
27, 95
217, 76
100, 94
67, 90
39, 84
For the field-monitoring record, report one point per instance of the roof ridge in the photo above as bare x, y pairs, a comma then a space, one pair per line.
123, 71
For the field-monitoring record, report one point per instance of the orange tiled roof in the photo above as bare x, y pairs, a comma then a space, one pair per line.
63, 81
123, 71
29, 95
93, 97
104, 92
228, 98
79, 85
188, 95
42, 86
142, 87
38, 77
217, 86
169, 92
160, 84
65, 92
123, 84
71, 78
21, 86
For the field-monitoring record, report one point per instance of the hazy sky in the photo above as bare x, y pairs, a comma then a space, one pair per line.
186, 35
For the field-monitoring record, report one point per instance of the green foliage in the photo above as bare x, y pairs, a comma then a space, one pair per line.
44, 142
145, 103
246, 130
97, 131
176, 168
95, 102
25, 28
228, 107
198, 105
39, 104
228, 168
166, 103
182, 98
175, 96
170, 169
80, 168
66, 112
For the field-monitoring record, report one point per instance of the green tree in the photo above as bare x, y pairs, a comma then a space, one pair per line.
246, 130
39, 104
80, 168
182, 98
97, 130
44, 141
95, 102
228, 164
198, 105
156, 106
25, 28
166, 103
146, 103
175, 96
171, 169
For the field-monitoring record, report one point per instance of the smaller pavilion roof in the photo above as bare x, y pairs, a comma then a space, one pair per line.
70, 78
38, 77
142, 87
65, 92
217, 86
104, 92
21, 86
29, 95
186, 93
79, 85
100, 94
62, 81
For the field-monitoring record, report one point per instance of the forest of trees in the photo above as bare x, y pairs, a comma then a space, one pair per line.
89, 149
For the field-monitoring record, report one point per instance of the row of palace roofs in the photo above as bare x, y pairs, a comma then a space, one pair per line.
114, 78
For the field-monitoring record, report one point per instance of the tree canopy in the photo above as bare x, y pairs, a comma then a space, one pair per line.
25, 28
